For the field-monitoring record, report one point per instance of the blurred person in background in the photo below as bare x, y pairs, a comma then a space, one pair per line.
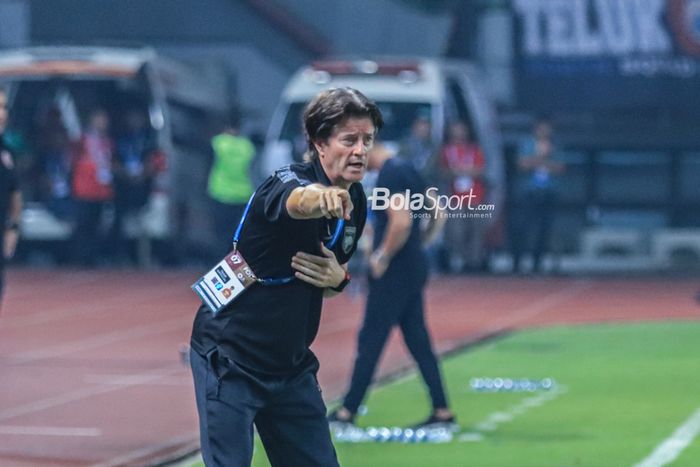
10, 196
92, 186
423, 154
462, 166
398, 271
537, 193
133, 170
418, 148
230, 181
252, 363
54, 152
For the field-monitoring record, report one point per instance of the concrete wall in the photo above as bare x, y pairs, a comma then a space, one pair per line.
230, 32
161, 22
258, 79
14, 23
374, 26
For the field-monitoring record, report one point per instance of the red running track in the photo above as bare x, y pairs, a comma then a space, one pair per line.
90, 371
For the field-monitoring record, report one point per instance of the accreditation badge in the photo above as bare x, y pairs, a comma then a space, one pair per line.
228, 279
348, 238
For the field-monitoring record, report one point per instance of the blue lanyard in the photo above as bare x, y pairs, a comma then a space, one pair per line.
282, 280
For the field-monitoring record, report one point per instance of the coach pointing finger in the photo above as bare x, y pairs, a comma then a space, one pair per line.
251, 362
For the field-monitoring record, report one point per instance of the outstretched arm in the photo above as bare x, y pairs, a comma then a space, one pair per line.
314, 201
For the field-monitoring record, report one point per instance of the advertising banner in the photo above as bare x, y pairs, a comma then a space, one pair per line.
608, 54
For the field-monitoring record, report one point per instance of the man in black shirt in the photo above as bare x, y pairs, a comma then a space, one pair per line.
251, 362
398, 274
10, 197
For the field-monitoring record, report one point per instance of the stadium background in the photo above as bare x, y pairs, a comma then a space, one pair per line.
76, 387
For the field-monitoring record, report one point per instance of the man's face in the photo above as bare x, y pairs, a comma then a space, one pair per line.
3, 111
344, 155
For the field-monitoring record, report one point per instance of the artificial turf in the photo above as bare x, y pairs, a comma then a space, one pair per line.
622, 390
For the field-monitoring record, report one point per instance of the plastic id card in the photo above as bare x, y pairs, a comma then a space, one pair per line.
224, 282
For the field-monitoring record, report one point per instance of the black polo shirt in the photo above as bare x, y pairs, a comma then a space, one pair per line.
269, 328
409, 266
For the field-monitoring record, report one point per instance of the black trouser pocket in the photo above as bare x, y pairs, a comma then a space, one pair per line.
217, 368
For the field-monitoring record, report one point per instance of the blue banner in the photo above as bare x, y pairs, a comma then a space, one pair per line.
608, 54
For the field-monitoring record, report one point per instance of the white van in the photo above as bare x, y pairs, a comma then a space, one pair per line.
404, 88
180, 102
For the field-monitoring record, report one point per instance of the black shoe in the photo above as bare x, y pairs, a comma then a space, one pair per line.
433, 423
336, 422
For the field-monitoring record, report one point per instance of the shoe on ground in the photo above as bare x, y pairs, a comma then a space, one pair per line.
435, 423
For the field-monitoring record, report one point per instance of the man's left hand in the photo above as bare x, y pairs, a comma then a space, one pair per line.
10, 243
378, 264
321, 271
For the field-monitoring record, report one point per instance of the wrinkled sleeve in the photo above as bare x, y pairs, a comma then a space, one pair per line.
275, 191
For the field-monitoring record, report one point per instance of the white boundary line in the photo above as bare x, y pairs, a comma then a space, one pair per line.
43, 317
504, 322
516, 316
131, 379
48, 431
540, 306
83, 393
99, 340
671, 447
140, 454
491, 422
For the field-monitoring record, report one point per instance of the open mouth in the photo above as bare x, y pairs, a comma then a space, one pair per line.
357, 165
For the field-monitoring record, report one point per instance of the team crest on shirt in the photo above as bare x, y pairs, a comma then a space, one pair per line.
6, 159
348, 238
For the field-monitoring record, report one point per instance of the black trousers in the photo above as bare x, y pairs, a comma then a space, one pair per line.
87, 239
288, 412
391, 303
532, 225
2, 274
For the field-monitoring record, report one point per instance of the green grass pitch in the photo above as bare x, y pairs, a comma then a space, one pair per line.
623, 389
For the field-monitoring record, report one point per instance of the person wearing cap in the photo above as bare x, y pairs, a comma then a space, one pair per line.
251, 361
10, 196
398, 274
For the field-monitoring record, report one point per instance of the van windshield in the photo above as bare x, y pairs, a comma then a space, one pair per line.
398, 117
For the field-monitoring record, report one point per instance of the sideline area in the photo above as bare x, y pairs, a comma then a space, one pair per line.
93, 355
597, 413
